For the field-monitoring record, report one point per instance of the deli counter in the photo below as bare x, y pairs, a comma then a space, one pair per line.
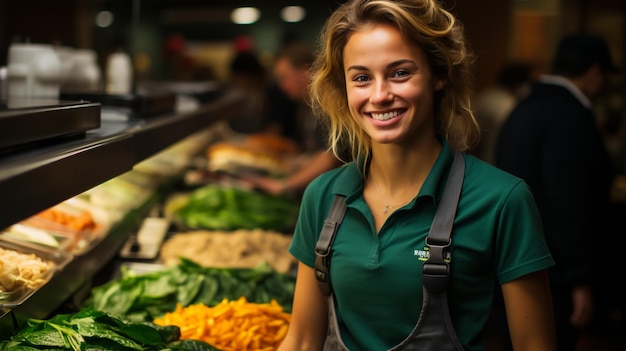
74, 150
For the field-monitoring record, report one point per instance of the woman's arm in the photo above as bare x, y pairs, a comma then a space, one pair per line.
309, 317
529, 312
319, 163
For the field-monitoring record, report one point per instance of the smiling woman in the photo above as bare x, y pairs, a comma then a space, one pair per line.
392, 83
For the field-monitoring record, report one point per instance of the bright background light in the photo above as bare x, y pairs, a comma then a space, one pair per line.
293, 13
245, 15
104, 19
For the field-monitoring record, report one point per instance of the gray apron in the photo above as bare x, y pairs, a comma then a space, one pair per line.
433, 331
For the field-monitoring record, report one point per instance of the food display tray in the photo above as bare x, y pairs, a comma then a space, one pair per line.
76, 242
58, 260
12, 235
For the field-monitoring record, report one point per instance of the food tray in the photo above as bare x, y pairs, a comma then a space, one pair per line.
147, 243
55, 261
137, 268
79, 241
19, 235
142, 267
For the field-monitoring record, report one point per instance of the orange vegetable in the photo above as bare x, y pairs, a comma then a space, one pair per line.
79, 221
232, 325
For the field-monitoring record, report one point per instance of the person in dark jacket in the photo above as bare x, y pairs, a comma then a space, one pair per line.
552, 141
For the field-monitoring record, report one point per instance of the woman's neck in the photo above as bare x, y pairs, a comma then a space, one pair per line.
398, 169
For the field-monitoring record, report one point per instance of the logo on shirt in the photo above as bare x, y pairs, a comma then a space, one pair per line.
423, 254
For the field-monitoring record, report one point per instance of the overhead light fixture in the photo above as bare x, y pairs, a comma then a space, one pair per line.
293, 13
245, 15
104, 19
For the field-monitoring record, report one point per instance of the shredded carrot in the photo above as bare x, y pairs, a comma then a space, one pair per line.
236, 325
81, 221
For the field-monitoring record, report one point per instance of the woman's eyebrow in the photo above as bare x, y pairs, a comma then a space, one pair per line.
390, 65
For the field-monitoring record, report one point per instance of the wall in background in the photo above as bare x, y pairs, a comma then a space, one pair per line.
499, 31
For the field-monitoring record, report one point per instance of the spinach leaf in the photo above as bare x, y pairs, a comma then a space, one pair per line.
72, 339
191, 345
44, 337
99, 324
189, 290
94, 330
208, 292
168, 333
15, 346
117, 297
160, 286
104, 345
142, 333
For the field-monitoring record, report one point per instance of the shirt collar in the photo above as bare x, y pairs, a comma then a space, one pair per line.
350, 181
433, 185
565, 83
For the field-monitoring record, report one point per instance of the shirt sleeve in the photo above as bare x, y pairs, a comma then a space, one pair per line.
521, 245
308, 226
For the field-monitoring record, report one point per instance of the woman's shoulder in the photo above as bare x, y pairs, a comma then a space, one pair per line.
487, 188
335, 181
345, 172
488, 177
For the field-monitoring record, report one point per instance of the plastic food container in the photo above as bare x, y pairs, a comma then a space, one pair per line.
24, 270
35, 238
75, 228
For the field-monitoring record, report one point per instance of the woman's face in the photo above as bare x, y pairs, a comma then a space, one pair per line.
389, 85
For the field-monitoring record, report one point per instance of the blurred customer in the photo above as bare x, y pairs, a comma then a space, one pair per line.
552, 141
291, 71
180, 65
495, 104
249, 80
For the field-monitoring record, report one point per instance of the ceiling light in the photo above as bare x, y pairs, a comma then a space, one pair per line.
104, 19
245, 15
293, 13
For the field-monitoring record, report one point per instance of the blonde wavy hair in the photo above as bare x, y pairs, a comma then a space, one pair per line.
423, 23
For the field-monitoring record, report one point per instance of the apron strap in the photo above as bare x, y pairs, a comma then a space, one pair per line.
325, 241
437, 268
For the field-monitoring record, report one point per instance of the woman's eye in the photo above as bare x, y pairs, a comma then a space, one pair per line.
401, 73
361, 78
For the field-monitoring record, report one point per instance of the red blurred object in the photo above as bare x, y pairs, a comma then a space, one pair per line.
243, 44
174, 45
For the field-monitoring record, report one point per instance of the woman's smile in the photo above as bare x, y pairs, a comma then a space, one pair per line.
384, 116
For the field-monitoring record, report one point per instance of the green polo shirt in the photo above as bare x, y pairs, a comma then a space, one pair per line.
377, 279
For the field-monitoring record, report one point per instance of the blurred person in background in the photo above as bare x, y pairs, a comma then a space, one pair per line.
494, 105
551, 139
248, 79
291, 71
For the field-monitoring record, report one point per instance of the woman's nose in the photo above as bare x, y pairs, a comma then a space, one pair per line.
381, 93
